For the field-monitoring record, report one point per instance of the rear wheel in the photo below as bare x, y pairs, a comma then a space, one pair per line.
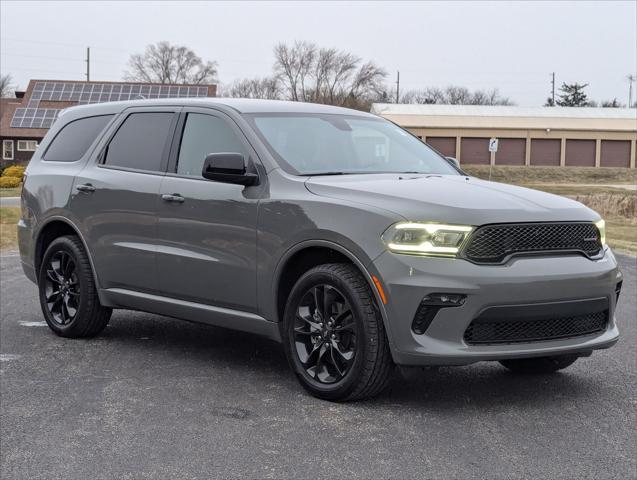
68, 296
334, 337
540, 364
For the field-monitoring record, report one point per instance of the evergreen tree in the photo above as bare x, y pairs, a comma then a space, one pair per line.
573, 95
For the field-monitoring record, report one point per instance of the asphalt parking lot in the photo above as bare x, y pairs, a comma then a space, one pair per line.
154, 397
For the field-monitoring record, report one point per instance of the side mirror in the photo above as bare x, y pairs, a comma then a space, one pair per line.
453, 162
228, 168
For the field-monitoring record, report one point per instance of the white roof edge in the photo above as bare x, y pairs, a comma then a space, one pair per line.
503, 111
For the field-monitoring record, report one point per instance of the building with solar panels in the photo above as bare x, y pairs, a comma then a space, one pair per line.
26, 118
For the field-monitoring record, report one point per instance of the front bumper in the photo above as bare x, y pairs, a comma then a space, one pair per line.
521, 281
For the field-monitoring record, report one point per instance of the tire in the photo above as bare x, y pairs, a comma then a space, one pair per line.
350, 351
68, 297
540, 364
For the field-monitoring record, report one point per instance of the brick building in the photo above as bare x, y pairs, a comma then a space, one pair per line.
543, 136
25, 119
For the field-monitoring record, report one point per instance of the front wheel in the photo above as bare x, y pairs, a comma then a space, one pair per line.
334, 337
539, 364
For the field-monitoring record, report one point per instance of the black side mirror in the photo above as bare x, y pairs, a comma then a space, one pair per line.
228, 168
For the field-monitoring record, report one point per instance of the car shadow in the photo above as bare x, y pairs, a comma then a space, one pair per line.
204, 349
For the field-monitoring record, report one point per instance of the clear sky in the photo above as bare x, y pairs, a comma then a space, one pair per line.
512, 46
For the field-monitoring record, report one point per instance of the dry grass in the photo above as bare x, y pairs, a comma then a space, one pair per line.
10, 192
621, 234
9, 217
527, 175
610, 204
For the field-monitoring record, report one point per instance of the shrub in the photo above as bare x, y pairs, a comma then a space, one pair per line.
9, 182
14, 171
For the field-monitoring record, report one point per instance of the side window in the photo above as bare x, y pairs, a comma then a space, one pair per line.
72, 142
204, 134
7, 149
140, 142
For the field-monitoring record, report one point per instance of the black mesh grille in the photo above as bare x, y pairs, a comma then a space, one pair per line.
493, 243
482, 331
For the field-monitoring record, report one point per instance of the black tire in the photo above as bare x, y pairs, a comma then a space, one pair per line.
68, 297
368, 371
540, 364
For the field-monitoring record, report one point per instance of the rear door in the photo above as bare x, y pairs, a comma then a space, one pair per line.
207, 230
117, 196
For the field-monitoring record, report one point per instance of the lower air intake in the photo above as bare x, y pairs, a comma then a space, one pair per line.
489, 331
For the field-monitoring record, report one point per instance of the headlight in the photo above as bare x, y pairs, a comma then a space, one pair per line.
601, 226
426, 238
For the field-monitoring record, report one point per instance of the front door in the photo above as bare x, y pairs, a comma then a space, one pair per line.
116, 199
206, 248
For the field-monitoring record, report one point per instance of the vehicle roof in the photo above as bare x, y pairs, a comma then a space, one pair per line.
241, 105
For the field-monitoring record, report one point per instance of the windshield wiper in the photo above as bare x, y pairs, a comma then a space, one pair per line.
326, 173
362, 173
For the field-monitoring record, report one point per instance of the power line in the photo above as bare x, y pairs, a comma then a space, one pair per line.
61, 43
46, 57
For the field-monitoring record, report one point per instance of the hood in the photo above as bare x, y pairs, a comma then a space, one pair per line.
450, 198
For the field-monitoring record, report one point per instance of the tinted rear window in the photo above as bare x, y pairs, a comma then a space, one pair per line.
140, 142
72, 142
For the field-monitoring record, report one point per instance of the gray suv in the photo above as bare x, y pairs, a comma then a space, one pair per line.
332, 231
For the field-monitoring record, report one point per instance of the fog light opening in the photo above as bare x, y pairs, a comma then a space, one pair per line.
618, 290
430, 306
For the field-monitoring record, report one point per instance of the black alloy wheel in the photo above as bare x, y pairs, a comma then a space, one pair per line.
325, 334
333, 334
68, 295
62, 288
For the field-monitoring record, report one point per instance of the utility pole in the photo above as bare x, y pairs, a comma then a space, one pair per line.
553, 89
88, 64
398, 87
631, 80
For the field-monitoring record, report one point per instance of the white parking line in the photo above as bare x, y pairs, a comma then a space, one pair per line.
8, 357
33, 324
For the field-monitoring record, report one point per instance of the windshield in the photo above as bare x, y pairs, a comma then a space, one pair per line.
319, 144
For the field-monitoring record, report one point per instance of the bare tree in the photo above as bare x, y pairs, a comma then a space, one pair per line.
489, 97
166, 63
458, 95
454, 95
6, 85
327, 75
614, 103
429, 95
332, 74
293, 64
267, 87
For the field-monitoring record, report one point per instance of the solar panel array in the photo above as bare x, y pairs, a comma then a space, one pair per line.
34, 117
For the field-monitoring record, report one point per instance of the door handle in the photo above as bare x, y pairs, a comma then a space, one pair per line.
175, 197
86, 187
